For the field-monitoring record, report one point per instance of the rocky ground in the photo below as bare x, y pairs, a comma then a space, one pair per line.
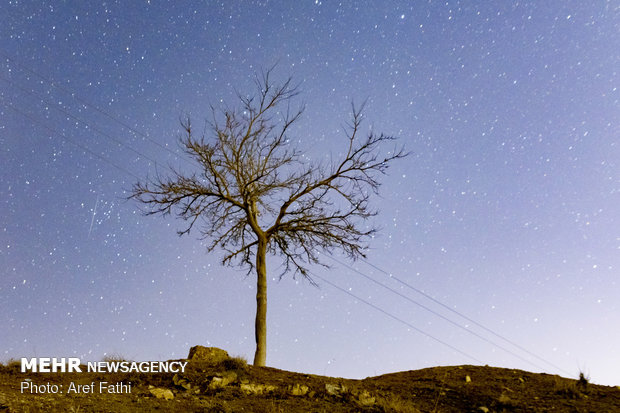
214, 382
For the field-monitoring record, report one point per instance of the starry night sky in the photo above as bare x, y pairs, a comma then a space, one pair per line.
506, 211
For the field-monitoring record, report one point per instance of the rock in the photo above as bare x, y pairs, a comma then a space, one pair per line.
230, 377
335, 389
467, 379
181, 382
216, 383
223, 381
162, 393
483, 409
298, 389
504, 399
252, 388
365, 399
213, 355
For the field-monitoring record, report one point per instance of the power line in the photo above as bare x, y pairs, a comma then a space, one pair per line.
87, 103
400, 320
466, 318
455, 312
63, 136
438, 314
61, 109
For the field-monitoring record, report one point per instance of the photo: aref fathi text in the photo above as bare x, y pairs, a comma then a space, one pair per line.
101, 387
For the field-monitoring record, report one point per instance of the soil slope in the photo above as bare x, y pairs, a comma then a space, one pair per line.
233, 386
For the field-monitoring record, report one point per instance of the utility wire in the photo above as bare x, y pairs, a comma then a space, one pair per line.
411, 300
87, 103
63, 136
400, 320
63, 110
457, 313
466, 318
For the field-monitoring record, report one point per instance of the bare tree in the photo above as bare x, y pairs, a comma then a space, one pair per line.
254, 194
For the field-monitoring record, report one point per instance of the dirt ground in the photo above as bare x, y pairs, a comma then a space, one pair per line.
233, 386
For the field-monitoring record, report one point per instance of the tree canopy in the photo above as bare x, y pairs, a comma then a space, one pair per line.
254, 193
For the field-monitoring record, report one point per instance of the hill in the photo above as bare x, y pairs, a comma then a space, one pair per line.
214, 382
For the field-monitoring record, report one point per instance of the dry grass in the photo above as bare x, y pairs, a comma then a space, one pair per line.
572, 389
234, 363
114, 357
12, 363
393, 403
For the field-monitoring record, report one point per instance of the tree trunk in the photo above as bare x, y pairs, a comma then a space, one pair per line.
260, 326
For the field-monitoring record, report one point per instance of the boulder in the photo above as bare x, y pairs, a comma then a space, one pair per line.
298, 389
211, 354
366, 399
223, 380
252, 388
335, 389
161, 393
182, 382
